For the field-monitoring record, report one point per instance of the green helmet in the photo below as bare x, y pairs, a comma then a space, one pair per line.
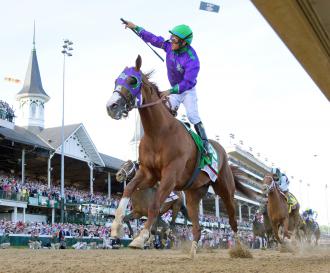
184, 32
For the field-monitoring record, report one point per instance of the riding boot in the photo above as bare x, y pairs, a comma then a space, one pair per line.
201, 132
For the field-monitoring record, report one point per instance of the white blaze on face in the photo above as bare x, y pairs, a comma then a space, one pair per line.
114, 98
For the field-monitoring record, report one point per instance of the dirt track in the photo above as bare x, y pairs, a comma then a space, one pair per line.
126, 260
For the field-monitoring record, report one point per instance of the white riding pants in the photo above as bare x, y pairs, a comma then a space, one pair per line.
189, 100
284, 183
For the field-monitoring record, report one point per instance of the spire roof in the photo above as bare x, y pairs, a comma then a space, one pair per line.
32, 84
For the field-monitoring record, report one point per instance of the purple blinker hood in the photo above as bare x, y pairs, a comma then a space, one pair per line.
135, 89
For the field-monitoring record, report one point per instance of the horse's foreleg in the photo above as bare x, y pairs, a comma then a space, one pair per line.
286, 228
117, 230
128, 218
275, 229
175, 210
163, 191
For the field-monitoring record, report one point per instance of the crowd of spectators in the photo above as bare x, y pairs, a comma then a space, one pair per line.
33, 188
38, 228
210, 238
217, 232
6, 112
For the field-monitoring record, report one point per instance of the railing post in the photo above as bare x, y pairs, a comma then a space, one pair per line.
23, 166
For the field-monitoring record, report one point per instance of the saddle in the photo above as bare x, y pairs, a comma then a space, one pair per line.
291, 200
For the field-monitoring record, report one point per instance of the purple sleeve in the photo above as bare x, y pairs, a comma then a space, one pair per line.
157, 41
190, 75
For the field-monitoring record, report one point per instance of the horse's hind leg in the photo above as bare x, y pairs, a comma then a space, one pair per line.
228, 199
193, 199
225, 188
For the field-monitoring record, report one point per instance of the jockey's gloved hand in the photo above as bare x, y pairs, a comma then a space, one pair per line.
129, 25
165, 93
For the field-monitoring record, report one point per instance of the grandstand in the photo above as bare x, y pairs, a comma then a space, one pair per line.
31, 155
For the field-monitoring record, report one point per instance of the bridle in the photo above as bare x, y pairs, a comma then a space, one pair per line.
131, 102
128, 174
272, 186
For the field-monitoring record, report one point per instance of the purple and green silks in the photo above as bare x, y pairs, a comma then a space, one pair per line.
182, 65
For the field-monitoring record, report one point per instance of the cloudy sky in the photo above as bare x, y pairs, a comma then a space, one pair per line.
249, 84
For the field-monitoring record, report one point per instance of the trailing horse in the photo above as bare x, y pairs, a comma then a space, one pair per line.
313, 232
141, 200
167, 153
264, 229
278, 211
259, 230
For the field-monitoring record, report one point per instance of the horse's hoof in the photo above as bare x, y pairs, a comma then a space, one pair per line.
193, 250
117, 230
287, 240
139, 241
136, 244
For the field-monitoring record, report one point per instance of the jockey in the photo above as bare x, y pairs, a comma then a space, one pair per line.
281, 179
259, 217
182, 70
310, 214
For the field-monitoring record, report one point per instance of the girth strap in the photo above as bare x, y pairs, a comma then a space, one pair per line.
195, 173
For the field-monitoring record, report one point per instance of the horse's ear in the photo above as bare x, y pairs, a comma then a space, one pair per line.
138, 63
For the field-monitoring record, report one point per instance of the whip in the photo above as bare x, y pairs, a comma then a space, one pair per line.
160, 57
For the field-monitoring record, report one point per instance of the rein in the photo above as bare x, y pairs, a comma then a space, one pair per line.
164, 100
151, 103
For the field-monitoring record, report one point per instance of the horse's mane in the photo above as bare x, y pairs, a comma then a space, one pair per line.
153, 88
146, 80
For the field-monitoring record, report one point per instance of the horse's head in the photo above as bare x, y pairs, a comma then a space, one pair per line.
127, 171
127, 93
269, 183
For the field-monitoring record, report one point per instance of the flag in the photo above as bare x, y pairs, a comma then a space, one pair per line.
209, 7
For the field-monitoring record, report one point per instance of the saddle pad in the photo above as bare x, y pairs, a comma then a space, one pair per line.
292, 201
208, 164
212, 168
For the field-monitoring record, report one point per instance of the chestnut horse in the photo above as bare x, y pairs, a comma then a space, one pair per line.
167, 153
278, 211
141, 199
259, 230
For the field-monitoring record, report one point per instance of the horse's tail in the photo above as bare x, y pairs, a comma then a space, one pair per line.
184, 211
237, 173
